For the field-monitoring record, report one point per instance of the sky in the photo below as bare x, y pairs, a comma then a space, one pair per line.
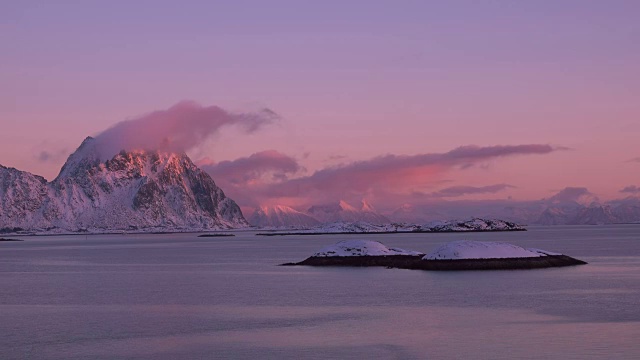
297, 102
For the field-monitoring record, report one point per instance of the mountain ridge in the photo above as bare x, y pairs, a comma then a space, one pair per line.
139, 189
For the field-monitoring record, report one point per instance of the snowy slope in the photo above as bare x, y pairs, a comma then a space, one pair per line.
475, 224
23, 196
344, 212
482, 250
133, 190
280, 216
362, 248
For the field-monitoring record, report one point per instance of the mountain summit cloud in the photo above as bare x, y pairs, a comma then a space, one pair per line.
176, 129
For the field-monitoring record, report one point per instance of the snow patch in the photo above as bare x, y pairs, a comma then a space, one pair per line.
362, 248
440, 226
465, 249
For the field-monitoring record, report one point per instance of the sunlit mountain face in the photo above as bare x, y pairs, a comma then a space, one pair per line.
134, 190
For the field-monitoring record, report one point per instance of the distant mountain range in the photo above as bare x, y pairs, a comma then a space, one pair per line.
281, 216
159, 191
627, 211
133, 190
543, 212
550, 211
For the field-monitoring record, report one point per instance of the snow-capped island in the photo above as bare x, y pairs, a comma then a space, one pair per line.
457, 250
457, 255
361, 253
361, 227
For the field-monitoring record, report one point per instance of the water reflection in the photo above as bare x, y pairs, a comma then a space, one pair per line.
179, 296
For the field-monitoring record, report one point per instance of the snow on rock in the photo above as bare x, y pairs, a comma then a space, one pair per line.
353, 227
474, 224
544, 252
441, 226
344, 212
465, 249
280, 216
132, 191
362, 248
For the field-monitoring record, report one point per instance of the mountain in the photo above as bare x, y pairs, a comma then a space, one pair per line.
554, 216
627, 210
23, 198
280, 216
595, 214
343, 212
369, 214
134, 190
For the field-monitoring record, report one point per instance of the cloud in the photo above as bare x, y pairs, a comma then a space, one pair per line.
631, 189
334, 158
45, 156
245, 179
244, 170
177, 129
457, 191
579, 195
634, 160
383, 177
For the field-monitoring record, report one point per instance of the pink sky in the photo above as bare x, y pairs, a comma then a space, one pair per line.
350, 82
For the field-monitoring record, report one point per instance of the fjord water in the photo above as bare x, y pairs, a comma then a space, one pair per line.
177, 296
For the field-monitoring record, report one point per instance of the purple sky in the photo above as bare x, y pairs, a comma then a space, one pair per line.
350, 80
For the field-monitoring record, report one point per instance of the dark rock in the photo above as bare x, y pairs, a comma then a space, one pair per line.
416, 263
3, 239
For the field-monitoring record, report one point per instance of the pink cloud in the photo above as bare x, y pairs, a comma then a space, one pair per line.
383, 178
457, 191
573, 194
245, 179
631, 189
247, 169
399, 171
51, 155
177, 129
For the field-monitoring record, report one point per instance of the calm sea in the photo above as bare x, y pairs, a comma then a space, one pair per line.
184, 297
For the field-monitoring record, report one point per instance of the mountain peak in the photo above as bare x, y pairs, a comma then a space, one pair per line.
281, 216
343, 211
367, 207
345, 206
134, 189
85, 156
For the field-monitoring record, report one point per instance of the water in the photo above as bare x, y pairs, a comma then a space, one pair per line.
184, 297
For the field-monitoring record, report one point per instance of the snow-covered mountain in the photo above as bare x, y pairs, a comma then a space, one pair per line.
134, 190
553, 216
594, 214
280, 216
627, 210
344, 212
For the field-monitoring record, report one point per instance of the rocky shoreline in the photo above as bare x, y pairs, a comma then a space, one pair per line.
455, 255
276, 233
216, 235
415, 262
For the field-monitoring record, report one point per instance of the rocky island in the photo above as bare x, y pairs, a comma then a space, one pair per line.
362, 227
457, 255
